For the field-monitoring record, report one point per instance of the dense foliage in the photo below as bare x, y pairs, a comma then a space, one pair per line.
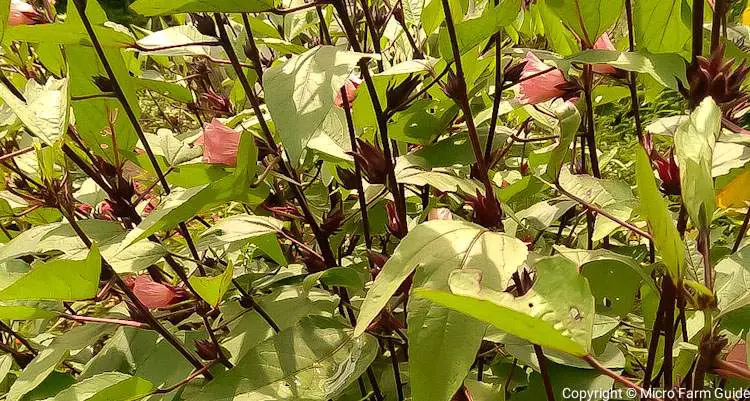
376, 200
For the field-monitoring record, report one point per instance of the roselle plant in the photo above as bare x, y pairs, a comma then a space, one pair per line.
374, 200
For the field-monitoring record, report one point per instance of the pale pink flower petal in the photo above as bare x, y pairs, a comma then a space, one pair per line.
22, 13
152, 294
220, 144
350, 87
440, 213
604, 43
540, 88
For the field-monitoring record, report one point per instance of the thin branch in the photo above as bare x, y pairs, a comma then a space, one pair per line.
618, 378
119, 322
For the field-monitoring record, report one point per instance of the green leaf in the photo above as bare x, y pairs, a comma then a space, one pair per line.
166, 7
212, 289
46, 109
111, 386
660, 26
60, 237
654, 209
444, 245
589, 19
286, 305
4, 14
694, 144
570, 120
23, 312
182, 204
335, 277
314, 360
733, 281
443, 343
49, 358
471, 33
300, 97
72, 31
173, 41
58, 280
666, 69
238, 229
557, 312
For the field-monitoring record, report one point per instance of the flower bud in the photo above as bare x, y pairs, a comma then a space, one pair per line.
204, 24
454, 87
394, 223
669, 172
332, 221
313, 262
396, 96
372, 161
487, 212
347, 177
206, 349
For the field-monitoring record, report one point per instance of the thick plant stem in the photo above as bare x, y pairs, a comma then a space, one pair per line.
320, 237
697, 32
357, 172
668, 294
142, 309
370, 22
654, 342
396, 371
544, 372
381, 117
462, 98
635, 105
704, 246
498, 95
253, 48
741, 233
588, 79
720, 10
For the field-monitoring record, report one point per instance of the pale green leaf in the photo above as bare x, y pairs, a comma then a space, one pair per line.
300, 95
557, 312
212, 289
588, 18
45, 109
111, 386
654, 209
314, 360
661, 26
694, 147
58, 280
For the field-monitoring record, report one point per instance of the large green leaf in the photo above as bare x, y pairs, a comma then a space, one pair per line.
182, 204
660, 25
733, 281
60, 237
557, 312
443, 343
49, 358
300, 96
286, 305
654, 209
23, 312
666, 69
58, 280
238, 229
472, 32
111, 386
46, 109
314, 360
587, 18
694, 148
165, 7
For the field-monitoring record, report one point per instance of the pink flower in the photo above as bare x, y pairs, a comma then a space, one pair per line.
22, 13
542, 87
350, 87
152, 294
219, 143
604, 43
